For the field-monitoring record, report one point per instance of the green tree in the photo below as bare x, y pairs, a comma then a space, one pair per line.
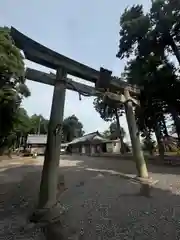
111, 111
146, 39
72, 128
143, 38
149, 144
21, 127
158, 78
134, 26
165, 20
156, 31
114, 131
38, 124
12, 85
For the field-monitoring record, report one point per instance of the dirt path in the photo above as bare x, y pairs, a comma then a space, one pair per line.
99, 205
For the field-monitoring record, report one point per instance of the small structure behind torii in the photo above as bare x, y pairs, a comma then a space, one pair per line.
42, 55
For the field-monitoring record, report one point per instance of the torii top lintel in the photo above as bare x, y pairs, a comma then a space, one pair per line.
42, 55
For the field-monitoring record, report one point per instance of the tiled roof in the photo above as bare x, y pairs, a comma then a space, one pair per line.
94, 136
42, 139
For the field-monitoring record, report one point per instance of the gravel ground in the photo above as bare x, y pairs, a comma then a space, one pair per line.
108, 208
99, 205
17, 199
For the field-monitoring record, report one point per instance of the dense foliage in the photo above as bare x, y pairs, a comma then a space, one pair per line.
111, 111
15, 124
37, 124
112, 132
147, 42
12, 86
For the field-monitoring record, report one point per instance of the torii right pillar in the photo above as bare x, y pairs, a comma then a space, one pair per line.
134, 135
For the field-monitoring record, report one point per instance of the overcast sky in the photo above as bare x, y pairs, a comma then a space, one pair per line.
85, 30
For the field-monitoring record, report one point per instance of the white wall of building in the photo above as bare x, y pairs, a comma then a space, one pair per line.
109, 147
116, 147
113, 147
83, 151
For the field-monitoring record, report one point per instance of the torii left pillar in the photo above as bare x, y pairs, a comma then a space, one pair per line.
50, 173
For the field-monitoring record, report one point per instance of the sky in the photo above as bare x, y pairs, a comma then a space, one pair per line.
87, 31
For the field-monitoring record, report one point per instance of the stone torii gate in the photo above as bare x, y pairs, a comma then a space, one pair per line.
119, 91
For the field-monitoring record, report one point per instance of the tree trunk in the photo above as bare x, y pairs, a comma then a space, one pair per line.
122, 150
176, 122
164, 126
49, 179
134, 135
174, 48
159, 138
149, 141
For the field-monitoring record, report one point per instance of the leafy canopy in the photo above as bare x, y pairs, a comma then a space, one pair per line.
12, 83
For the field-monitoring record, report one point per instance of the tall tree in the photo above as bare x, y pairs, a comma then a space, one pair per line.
134, 25
72, 128
133, 33
111, 111
150, 67
157, 77
21, 127
114, 131
165, 20
12, 84
39, 125
156, 31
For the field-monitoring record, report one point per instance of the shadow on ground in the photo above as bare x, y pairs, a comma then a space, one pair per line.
99, 205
